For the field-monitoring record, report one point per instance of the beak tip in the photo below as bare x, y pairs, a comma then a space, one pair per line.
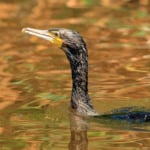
23, 30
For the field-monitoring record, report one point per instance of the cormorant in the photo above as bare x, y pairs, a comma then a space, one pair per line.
75, 49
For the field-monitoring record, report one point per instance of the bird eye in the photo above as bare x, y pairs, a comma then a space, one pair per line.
56, 33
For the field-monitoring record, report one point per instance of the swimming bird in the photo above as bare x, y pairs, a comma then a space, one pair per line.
75, 49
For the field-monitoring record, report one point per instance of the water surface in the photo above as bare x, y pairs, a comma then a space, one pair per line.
36, 82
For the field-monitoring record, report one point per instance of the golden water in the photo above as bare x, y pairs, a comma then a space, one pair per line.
35, 81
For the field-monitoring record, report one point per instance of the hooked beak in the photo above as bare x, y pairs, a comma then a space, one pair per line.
44, 34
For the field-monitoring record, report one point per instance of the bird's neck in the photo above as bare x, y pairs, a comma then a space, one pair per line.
79, 68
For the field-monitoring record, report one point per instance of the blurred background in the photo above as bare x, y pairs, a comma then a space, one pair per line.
35, 80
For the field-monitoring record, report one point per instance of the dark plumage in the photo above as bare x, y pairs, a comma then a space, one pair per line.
76, 52
75, 49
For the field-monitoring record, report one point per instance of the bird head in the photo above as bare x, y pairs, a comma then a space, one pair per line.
68, 40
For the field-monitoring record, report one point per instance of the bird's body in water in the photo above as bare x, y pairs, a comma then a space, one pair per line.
75, 49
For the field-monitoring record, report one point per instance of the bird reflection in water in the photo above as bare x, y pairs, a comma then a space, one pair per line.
78, 130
